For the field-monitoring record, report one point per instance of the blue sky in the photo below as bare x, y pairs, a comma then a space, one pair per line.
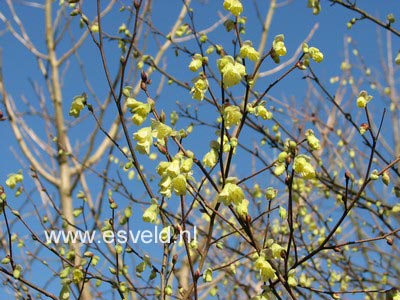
295, 21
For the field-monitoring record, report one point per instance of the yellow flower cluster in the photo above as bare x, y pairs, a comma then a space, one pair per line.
315, 5
139, 110
260, 111
278, 47
231, 194
247, 51
311, 52
265, 268
302, 166
144, 136
264, 113
280, 165
312, 141
233, 6
13, 179
77, 105
197, 62
200, 87
144, 140
174, 175
363, 99
232, 71
151, 213
211, 157
232, 115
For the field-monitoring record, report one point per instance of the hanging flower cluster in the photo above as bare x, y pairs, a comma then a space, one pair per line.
265, 268
144, 136
247, 51
174, 175
235, 7
312, 141
197, 62
260, 111
232, 71
280, 165
77, 105
315, 5
363, 99
311, 52
139, 110
231, 193
211, 157
14, 179
144, 140
151, 213
232, 115
302, 166
200, 87
278, 48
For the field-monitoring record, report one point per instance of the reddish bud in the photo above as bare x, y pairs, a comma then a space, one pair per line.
143, 76
175, 258
365, 126
197, 274
143, 86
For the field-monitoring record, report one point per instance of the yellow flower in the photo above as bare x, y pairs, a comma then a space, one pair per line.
165, 186
397, 59
315, 5
302, 166
151, 213
243, 208
13, 179
199, 88
207, 275
179, 185
248, 51
315, 54
231, 193
234, 6
77, 105
77, 275
265, 268
224, 61
312, 141
279, 168
139, 110
232, 115
144, 140
162, 167
232, 74
263, 112
186, 165
363, 99
277, 250
210, 158
174, 168
160, 130
278, 45
196, 63
271, 193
